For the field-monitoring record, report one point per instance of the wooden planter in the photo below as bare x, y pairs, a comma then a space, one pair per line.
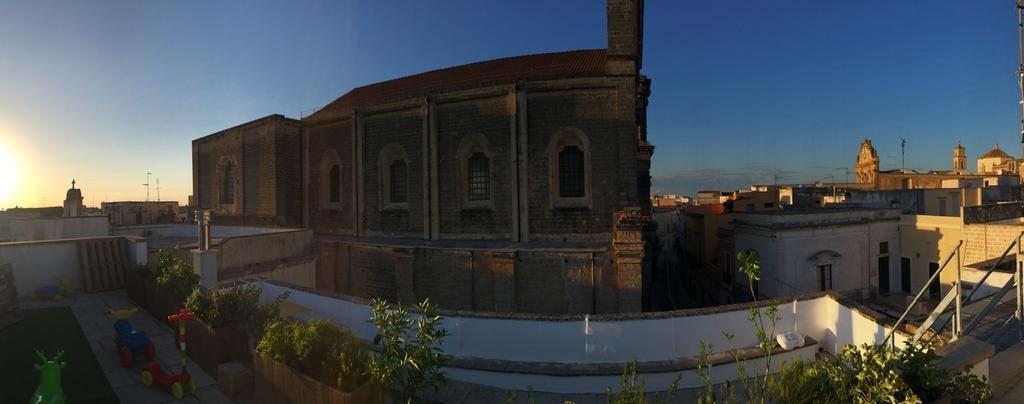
135, 283
275, 382
159, 304
210, 347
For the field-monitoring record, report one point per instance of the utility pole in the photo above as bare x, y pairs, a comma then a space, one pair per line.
1020, 66
158, 190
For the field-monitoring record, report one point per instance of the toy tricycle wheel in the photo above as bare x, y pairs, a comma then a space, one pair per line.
177, 390
191, 387
149, 351
125, 355
147, 378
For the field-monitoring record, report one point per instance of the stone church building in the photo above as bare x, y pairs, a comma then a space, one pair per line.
993, 168
519, 184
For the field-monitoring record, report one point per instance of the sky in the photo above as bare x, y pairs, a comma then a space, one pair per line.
105, 91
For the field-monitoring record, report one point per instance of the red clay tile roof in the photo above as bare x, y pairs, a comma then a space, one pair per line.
576, 63
996, 152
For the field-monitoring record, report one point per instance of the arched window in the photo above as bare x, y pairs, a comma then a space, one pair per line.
227, 195
334, 184
570, 169
398, 189
478, 178
330, 180
571, 172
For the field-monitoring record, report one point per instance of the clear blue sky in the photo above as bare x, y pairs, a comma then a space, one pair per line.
104, 91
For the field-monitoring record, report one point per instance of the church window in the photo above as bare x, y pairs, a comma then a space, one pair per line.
330, 194
398, 192
570, 169
394, 169
334, 194
571, 174
479, 178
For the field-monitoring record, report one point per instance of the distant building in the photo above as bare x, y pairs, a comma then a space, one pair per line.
73, 205
994, 168
139, 212
812, 250
709, 197
669, 200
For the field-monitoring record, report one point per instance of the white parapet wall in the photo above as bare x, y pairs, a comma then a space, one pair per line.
42, 263
595, 341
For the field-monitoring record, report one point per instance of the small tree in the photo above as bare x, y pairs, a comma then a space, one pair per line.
410, 357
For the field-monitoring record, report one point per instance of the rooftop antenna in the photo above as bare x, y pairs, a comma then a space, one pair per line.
147, 186
903, 151
1020, 65
158, 190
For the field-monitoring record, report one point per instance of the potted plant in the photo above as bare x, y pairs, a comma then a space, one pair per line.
172, 282
228, 321
317, 362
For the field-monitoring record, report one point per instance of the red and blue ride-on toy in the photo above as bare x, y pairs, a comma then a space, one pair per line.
179, 383
130, 342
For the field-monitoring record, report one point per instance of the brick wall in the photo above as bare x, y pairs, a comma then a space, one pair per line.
486, 121
335, 136
525, 281
613, 169
987, 241
404, 128
267, 152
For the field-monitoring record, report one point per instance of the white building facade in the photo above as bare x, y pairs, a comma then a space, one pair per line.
844, 250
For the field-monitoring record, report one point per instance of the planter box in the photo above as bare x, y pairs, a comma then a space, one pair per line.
210, 347
135, 284
275, 382
159, 304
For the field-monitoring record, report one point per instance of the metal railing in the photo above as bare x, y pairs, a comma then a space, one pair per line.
956, 252
955, 294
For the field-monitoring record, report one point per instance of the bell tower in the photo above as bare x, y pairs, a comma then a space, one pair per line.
867, 164
959, 158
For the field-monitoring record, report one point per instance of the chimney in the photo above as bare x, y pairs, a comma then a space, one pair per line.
625, 37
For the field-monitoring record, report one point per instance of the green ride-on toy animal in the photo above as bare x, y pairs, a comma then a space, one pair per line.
50, 390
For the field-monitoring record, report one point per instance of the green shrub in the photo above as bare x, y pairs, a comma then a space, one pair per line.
411, 358
968, 388
174, 276
319, 349
235, 307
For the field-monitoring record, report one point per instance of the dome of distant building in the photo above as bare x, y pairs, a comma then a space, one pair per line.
996, 152
73, 202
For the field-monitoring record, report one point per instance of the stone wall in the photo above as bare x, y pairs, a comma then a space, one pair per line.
993, 212
266, 154
565, 281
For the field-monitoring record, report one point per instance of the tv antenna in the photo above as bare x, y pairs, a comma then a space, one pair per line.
903, 151
147, 185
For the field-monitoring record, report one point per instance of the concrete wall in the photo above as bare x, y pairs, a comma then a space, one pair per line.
926, 239
191, 230
59, 228
993, 212
787, 254
529, 342
42, 263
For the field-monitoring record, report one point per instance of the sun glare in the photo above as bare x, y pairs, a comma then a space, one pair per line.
8, 174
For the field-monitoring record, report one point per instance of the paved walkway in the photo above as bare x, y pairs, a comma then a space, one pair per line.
127, 382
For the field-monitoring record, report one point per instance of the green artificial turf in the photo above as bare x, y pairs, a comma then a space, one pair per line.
50, 330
